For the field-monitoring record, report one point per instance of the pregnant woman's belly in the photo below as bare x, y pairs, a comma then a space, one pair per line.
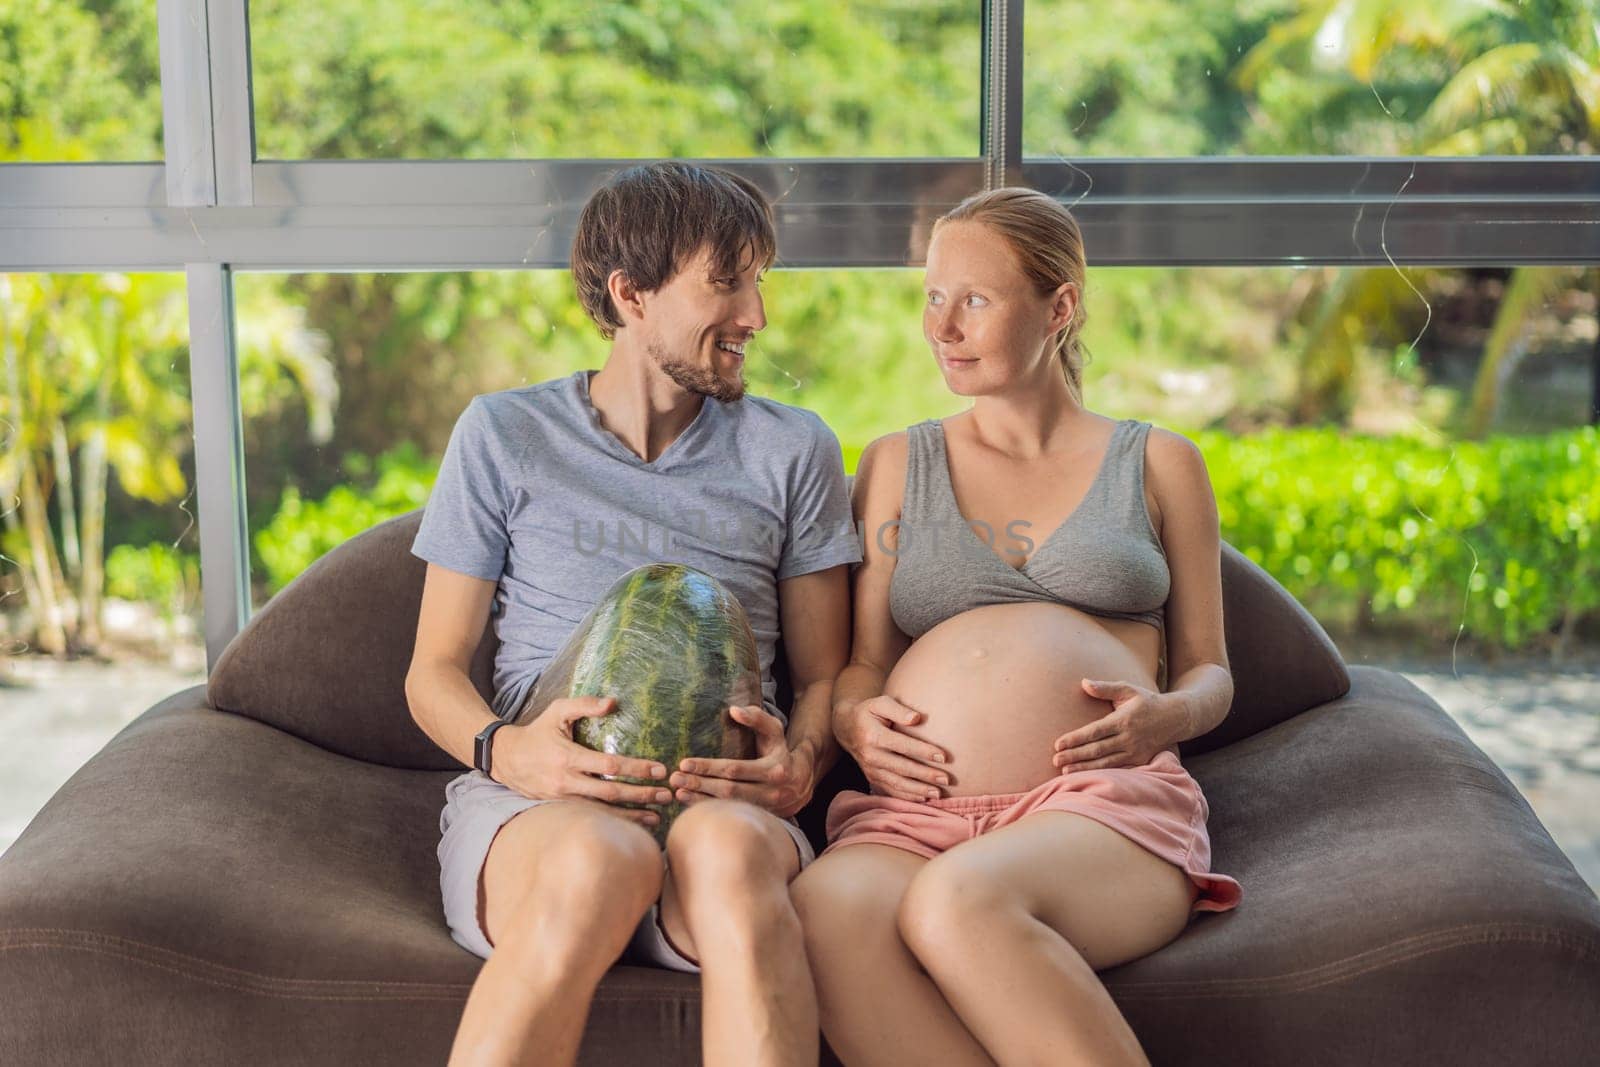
998, 684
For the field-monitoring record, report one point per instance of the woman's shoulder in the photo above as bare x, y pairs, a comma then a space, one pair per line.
885, 453
1161, 444
881, 470
1171, 449
1175, 472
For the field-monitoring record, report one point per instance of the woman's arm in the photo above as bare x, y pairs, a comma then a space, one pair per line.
877, 643
1200, 683
1142, 722
864, 719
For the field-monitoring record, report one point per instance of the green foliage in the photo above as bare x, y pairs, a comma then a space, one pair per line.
442, 79
302, 531
1446, 78
849, 346
434, 79
339, 365
1139, 77
1494, 538
155, 574
79, 81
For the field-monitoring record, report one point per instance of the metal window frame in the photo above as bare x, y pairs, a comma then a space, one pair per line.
211, 208
1002, 92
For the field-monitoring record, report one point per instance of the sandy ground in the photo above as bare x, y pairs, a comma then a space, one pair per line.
1542, 726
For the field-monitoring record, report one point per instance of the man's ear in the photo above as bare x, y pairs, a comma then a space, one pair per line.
627, 298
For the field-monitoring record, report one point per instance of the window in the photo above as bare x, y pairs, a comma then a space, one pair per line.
444, 79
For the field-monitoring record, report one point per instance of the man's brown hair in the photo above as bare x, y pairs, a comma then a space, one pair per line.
649, 220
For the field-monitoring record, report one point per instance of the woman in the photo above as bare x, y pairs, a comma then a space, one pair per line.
1029, 568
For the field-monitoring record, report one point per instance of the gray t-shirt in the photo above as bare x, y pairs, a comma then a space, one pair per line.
534, 493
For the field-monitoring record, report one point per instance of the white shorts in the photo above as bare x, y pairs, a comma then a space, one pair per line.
475, 808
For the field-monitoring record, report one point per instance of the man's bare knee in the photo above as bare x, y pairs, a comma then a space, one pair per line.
731, 865
571, 859
730, 844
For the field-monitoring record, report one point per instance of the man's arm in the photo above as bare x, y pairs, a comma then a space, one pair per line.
463, 538
439, 689
536, 759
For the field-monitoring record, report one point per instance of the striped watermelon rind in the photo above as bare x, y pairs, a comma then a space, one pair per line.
675, 649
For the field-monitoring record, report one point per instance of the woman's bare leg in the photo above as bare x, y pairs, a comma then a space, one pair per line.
563, 888
877, 1004
1013, 925
726, 906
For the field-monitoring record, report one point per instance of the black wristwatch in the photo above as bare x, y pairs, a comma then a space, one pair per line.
480, 746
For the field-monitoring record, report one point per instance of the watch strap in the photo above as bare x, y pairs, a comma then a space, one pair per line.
481, 746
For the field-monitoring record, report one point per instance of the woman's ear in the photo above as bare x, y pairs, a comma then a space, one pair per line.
1063, 305
627, 298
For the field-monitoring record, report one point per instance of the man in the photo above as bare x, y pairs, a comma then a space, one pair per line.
545, 495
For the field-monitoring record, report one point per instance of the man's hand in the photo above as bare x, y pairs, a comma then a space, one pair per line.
779, 779
541, 760
1141, 723
896, 764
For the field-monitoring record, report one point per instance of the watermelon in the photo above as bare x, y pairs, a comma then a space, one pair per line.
674, 647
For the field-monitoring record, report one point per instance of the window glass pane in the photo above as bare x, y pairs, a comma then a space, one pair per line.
386, 362
79, 80
1308, 77
435, 79
1409, 453
377, 368
99, 551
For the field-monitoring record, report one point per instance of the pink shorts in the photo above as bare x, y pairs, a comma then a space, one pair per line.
1158, 805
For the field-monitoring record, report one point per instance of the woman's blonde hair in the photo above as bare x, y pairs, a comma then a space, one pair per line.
1049, 245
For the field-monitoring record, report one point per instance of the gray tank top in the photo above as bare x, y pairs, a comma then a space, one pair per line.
1104, 559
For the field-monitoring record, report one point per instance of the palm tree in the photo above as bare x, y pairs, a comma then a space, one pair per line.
95, 371
19, 485
1519, 79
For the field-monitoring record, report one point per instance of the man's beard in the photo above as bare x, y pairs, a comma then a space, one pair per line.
699, 380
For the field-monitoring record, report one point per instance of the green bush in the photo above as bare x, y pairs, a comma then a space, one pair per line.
302, 531
156, 574
1494, 540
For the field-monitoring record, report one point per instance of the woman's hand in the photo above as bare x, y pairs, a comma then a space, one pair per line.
1141, 723
541, 760
895, 764
779, 779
